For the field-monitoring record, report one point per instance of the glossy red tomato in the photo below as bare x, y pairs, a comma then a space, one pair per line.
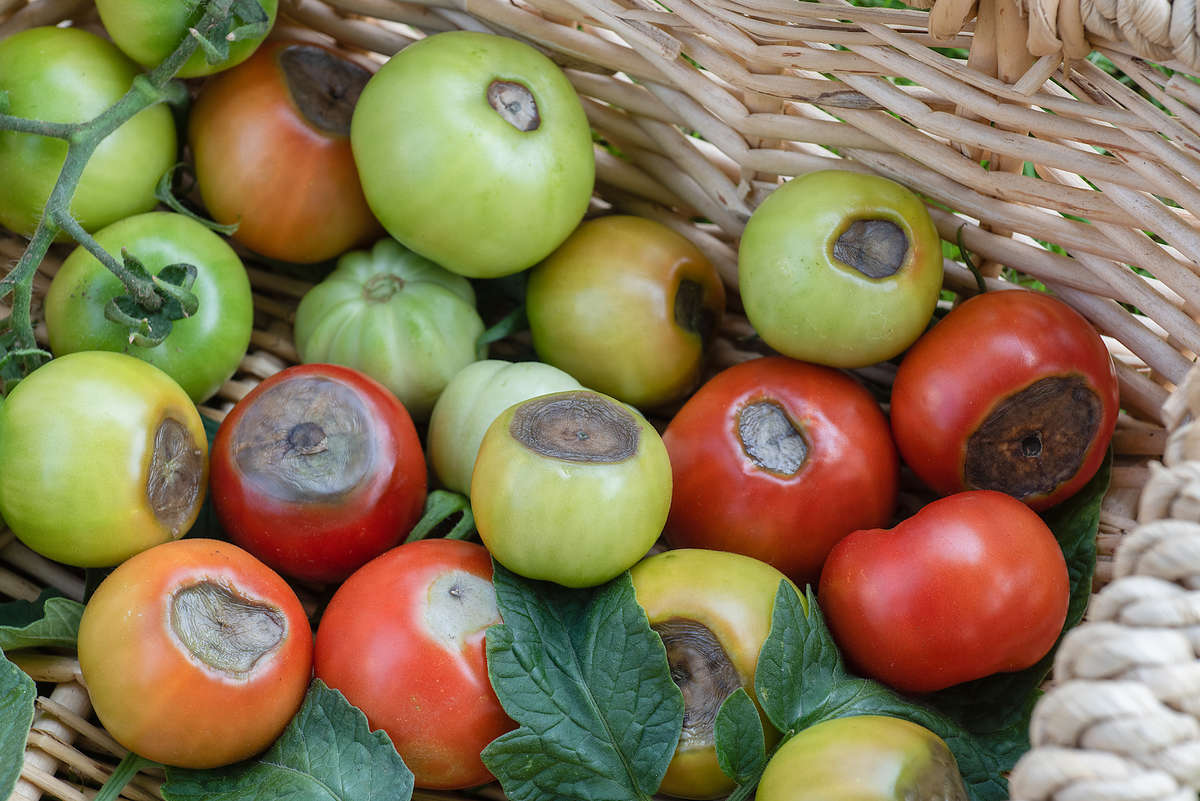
271, 141
972, 584
403, 640
318, 470
1013, 391
195, 653
779, 459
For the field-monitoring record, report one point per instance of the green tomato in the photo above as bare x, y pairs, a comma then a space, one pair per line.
571, 487
395, 316
102, 456
69, 75
863, 758
149, 30
474, 150
471, 401
840, 268
202, 351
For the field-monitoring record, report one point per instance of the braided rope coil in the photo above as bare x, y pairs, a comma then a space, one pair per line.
1122, 720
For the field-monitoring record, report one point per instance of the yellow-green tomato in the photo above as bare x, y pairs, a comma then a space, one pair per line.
475, 397
840, 268
102, 457
202, 351
627, 306
474, 150
149, 30
395, 316
713, 611
571, 487
70, 75
863, 758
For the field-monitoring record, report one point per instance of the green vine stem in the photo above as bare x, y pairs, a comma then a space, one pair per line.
125, 771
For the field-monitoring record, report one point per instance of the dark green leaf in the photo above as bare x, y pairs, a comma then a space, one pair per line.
174, 282
741, 746
250, 12
440, 507
508, 325
145, 329
327, 753
17, 695
50, 621
587, 680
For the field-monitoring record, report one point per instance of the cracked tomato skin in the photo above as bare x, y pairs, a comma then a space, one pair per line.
152, 692
328, 512
404, 640
724, 498
972, 584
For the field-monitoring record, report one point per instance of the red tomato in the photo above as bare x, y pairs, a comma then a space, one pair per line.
403, 639
195, 653
1012, 391
972, 584
271, 142
317, 471
779, 459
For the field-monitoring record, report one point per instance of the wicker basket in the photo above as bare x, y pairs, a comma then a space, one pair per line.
1083, 160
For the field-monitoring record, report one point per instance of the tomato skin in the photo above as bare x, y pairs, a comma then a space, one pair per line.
982, 352
426, 687
154, 695
292, 187
71, 75
722, 499
202, 351
314, 538
972, 584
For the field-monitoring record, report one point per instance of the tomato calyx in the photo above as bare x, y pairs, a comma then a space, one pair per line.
704, 673
323, 86
515, 104
173, 480
1035, 439
877, 248
459, 605
770, 439
223, 629
576, 427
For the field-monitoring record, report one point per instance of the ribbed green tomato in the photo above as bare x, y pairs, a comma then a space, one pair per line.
396, 316
471, 401
70, 75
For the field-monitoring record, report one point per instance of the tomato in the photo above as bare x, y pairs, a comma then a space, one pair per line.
101, 456
1013, 391
403, 640
70, 75
713, 611
474, 151
195, 654
863, 758
840, 268
972, 584
271, 142
627, 306
149, 30
571, 487
475, 397
397, 317
202, 351
779, 459
318, 470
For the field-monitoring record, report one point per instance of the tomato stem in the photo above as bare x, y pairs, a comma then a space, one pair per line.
125, 771
440, 506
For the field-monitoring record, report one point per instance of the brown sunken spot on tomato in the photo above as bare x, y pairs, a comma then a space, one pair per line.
173, 482
323, 86
224, 630
576, 427
1035, 439
876, 248
770, 439
691, 313
704, 673
515, 104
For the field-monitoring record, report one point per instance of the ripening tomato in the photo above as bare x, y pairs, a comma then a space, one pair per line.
779, 459
1012, 391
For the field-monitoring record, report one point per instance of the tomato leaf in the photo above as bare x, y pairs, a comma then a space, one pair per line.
997, 703
587, 680
741, 746
17, 695
800, 644
327, 752
50, 621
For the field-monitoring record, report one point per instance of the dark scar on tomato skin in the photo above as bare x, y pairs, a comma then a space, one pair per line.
324, 87
173, 478
876, 248
576, 427
704, 673
224, 630
515, 104
770, 439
